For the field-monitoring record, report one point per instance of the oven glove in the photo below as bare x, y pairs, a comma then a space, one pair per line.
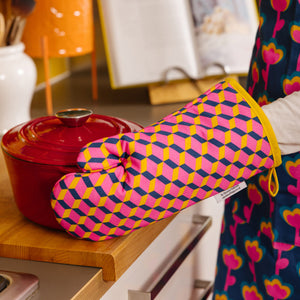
134, 179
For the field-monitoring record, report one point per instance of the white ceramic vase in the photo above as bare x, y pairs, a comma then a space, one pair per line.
17, 83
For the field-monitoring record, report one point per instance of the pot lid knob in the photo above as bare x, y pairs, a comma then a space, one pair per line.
73, 117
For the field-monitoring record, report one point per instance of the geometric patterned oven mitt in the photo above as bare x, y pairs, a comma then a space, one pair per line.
134, 179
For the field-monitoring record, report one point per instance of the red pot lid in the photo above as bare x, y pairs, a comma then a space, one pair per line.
57, 140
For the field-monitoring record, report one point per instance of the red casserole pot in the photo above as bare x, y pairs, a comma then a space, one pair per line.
40, 152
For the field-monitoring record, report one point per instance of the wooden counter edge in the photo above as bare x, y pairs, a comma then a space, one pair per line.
95, 288
113, 264
124, 254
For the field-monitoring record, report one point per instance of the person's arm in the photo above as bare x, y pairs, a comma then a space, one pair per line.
284, 116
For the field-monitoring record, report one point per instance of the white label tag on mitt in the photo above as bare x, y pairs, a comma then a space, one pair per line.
230, 192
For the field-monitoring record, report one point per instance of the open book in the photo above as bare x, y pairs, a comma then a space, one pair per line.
150, 41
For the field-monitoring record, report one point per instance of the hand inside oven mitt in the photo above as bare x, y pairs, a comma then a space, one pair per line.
132, 180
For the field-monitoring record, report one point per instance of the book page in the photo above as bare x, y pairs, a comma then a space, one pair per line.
145, 38
225, 33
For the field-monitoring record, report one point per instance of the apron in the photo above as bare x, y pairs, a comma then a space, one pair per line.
259, 254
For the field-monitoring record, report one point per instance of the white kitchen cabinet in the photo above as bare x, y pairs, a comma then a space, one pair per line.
150, 266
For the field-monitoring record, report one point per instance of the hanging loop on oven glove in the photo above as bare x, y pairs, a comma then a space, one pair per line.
134, 179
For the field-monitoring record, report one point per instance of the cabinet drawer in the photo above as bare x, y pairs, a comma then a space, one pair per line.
153, 263
176, 280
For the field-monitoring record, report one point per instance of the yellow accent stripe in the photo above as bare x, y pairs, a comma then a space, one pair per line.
263, 119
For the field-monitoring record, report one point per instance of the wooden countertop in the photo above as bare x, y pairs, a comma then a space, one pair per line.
23, 239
